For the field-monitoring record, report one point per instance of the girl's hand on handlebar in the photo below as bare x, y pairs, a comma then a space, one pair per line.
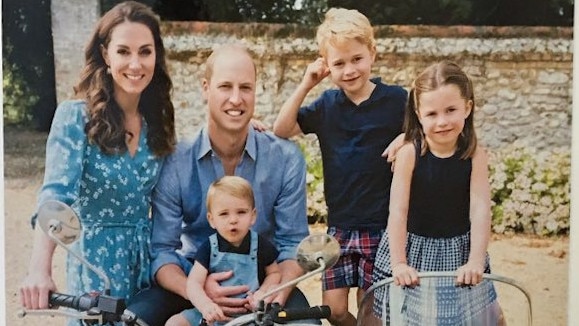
35, 291
405, 275
212, 313
469, 274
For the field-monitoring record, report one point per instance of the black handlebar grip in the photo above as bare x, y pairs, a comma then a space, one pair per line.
81, 303
316, 312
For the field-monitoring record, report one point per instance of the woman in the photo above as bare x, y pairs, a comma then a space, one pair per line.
103, 155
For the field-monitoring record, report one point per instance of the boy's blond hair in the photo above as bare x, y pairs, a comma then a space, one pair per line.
232, 185
341, 25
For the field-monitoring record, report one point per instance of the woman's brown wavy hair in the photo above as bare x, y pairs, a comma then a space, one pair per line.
433, 77
106, 119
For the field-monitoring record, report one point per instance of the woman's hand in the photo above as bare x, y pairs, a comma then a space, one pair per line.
35, 291
405, 275
470, 273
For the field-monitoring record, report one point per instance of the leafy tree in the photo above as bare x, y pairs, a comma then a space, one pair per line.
18, 100
400, 12
423, 12
29, 60
522, 12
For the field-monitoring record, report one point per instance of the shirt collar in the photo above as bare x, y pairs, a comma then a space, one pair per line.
379, 91
250, 144
225, 246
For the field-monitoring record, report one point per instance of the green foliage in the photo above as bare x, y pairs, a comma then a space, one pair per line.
403, 12
410, 12
530, 191
317, 210
18, 99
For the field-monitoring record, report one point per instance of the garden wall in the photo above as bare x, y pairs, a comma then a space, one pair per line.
522, 75
522, 78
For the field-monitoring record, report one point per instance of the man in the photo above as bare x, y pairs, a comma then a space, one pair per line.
228, 145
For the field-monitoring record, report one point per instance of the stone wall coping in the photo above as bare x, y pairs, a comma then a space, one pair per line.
301, 31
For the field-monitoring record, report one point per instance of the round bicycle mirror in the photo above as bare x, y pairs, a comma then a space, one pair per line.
59, 219
315, 247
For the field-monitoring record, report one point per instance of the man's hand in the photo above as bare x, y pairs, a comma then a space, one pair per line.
221, 294
258, 125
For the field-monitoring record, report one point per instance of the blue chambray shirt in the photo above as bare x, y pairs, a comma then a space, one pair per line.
276, 169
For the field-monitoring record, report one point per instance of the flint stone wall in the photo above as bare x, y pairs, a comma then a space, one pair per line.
522, 75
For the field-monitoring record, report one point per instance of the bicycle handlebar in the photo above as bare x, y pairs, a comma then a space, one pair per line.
274, 313
83, 302
315, 312
89, 306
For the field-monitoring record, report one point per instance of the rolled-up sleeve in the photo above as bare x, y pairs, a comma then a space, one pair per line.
290, 207
167, 215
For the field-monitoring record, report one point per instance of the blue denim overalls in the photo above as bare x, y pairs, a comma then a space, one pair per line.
244, 268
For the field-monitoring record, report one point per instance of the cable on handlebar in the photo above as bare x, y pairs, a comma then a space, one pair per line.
280, 315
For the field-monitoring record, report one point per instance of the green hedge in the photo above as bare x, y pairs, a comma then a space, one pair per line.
18, 99
530, 190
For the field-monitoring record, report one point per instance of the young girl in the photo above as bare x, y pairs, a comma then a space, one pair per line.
440, 199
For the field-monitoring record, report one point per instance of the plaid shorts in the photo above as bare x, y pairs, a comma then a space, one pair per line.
356, 264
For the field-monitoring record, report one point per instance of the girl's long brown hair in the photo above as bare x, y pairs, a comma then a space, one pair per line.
106, 119
433, 77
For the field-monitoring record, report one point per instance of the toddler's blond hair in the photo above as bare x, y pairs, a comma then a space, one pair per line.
235, 186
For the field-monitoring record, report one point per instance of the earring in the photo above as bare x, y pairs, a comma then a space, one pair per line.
108, 70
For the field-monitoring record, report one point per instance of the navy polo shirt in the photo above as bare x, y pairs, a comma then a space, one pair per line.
352, 138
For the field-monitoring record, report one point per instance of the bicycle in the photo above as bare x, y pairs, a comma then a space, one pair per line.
386, 304
315, 253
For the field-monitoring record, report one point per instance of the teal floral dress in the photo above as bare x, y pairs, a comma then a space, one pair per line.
111, 194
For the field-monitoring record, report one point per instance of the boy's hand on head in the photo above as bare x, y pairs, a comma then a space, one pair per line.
315, 73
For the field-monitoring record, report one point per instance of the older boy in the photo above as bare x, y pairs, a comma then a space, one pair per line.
353, 124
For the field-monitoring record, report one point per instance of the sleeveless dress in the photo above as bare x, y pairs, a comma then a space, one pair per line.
438, 239
243, 265
111, 195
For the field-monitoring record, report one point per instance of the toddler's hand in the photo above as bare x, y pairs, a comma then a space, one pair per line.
469, 274
405, 275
